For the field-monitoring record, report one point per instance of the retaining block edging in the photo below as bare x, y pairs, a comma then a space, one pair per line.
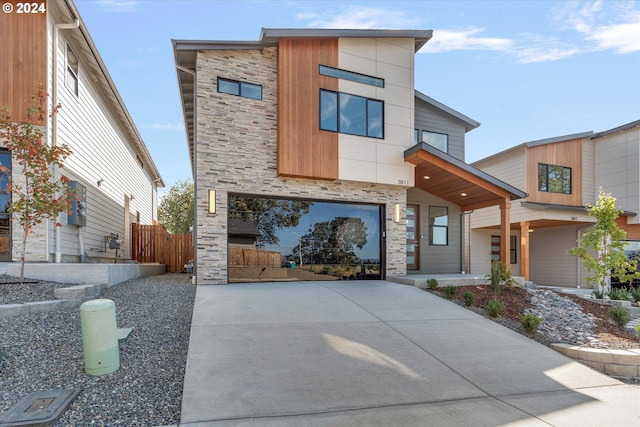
72, 296
621, 363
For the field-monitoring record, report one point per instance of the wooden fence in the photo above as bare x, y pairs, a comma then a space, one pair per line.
153, 243
253, 257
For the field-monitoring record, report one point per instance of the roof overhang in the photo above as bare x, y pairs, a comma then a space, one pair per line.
456, 181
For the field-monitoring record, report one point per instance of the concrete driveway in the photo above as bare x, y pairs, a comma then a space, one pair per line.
378, 353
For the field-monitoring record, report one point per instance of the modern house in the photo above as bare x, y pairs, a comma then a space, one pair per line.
110, 167
319, 139
561, 175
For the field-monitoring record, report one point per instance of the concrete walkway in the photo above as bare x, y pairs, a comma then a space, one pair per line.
378, 353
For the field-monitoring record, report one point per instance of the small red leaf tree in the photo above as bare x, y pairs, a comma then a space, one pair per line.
37, 191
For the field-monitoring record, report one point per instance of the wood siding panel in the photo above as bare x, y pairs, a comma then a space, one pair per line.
565, 153
23, 64
303, 149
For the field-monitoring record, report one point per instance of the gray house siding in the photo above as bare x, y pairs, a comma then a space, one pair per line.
432, 119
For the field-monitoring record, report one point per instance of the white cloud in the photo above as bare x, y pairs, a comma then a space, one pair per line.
359, 17
608, 25
167, 126
466, 39
118, 5
528, 55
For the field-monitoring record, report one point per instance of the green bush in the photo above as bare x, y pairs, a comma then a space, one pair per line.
637, 328
619, 315
450, 292
635, 294
495, 308
432, 283
469, 298
619, 294
596, 294
530, 322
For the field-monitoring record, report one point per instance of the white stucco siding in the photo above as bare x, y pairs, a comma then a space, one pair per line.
375, 160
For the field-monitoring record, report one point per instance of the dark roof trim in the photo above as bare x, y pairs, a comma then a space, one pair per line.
562, 138
515, 193
617, 129
470, 124
545, 206
270, 36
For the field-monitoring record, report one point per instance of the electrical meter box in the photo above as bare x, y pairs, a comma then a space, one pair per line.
78, 214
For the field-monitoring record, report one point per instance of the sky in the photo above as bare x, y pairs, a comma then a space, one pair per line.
526, 70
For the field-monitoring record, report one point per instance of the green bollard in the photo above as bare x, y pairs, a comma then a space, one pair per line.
99, 336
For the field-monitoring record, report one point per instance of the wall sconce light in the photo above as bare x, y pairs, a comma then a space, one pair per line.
212, 201
100, 181
396, 213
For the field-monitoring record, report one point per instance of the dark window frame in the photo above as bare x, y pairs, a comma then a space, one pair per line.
337, 127
432, 226
544, 178
240, 86
352, 76
418, 138
513, 248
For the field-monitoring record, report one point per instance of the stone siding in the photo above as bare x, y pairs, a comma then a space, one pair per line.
236, 153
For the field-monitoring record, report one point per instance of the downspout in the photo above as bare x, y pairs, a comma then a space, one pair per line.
54, 121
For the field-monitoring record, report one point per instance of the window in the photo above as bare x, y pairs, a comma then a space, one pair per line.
437, 140
438, 225
243, 89
513, 249
352, 114
72, 71
351, 76
554, 179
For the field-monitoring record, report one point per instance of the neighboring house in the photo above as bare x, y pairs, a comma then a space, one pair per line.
110, 165
319, 137
561, 176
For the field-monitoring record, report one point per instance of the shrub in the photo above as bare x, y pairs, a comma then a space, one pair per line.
620, 294
432, 283
450, 292
530, 322
635, 294
637, 329
469, 298
494, 308
597, 294
619, 315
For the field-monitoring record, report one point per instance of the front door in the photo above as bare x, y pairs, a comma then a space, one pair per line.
413, 237
5, 201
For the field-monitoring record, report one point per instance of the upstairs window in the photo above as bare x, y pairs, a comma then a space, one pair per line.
554, 179
434, 139
351, 114
351, 76
71, 78
243, 89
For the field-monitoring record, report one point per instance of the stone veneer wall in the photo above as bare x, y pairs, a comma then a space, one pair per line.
236, 145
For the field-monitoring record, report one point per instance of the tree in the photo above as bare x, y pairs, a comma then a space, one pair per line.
267, 214
176, 208
37, 191
601, 249
333, 242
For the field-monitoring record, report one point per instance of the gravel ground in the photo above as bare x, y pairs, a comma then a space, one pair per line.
14, 292
44, 351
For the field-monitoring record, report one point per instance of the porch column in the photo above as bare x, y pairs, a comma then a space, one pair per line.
524, 249
505, 232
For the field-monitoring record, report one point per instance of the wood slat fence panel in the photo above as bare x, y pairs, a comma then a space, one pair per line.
254, 257
153, 243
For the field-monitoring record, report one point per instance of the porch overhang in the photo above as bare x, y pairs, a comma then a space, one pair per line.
456, 181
